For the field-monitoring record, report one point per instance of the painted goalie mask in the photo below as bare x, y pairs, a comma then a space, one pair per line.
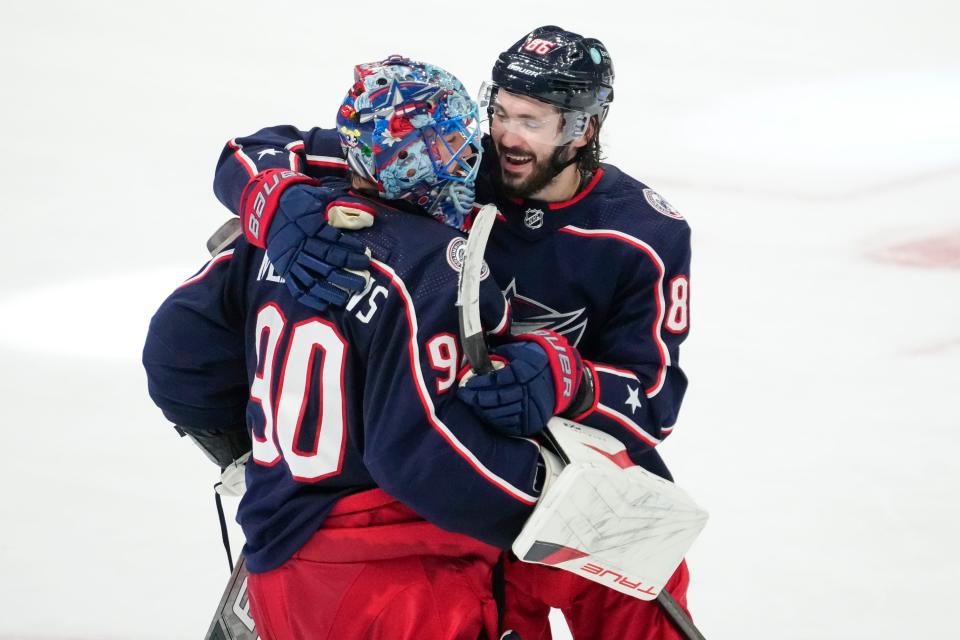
412, 128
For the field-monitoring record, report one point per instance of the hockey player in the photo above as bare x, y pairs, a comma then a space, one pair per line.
582, 249
376, 501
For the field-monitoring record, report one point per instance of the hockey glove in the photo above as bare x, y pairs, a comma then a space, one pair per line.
543, 378
321, 265
221, 446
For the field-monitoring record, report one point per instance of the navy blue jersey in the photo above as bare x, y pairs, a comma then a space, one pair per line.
343, 401
316, 152
609, 269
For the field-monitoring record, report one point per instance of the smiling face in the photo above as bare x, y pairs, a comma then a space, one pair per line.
526, 135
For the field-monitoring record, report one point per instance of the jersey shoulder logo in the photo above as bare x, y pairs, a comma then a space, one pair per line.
456, 251
658, 202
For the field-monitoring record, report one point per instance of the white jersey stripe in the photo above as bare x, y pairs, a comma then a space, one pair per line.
293, 148
244, 159
327, 161
435, 422
502, 325
624, 421
623, 373
215, 260
655, 388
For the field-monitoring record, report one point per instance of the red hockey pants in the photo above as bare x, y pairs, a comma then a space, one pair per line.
377, 571
593, 611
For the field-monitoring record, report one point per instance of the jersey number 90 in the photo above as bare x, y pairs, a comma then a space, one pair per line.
283, 412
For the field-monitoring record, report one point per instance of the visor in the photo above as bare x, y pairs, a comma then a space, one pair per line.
558, 128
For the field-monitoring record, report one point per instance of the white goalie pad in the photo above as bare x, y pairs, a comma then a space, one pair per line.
607, 520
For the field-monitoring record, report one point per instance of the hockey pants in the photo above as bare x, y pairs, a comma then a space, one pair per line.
377, 571
592, 611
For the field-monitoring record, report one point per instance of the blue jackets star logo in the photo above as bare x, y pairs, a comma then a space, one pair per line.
413, 102
268, 152
633, 399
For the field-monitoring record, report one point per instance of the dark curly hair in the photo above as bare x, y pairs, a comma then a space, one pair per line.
590, 155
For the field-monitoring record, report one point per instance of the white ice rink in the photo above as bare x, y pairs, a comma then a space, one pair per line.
814, 148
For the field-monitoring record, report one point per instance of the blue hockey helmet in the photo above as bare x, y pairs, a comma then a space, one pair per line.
412, 128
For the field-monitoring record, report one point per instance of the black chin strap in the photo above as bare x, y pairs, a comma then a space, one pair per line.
558, 166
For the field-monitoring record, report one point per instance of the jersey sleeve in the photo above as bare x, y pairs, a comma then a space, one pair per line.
315, 153
635, 363
422, 445
194, 352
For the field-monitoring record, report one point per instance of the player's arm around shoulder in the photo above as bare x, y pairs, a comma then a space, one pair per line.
314, 153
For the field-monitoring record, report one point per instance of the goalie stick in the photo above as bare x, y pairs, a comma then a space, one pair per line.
475, 349
227, 233
468, 291
232, 620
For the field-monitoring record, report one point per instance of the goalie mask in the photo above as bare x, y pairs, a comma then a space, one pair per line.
412, 129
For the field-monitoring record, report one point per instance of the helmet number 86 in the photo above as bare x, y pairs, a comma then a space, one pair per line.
539, 46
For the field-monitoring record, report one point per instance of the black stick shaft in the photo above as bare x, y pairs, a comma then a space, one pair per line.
678, 617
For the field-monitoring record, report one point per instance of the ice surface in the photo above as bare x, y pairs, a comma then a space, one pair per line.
801, 142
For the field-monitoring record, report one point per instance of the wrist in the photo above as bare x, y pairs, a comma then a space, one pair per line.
260, 198
565, 364
586, 398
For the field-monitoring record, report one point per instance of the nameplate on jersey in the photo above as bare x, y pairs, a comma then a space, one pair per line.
267, 272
